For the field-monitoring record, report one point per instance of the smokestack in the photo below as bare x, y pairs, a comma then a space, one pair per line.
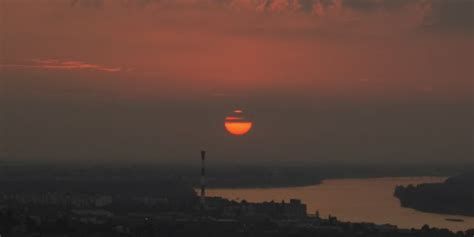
203, 180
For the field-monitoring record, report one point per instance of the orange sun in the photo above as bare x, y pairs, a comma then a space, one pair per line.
236, 124
238, 128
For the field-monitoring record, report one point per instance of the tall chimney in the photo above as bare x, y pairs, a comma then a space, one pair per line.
203, 180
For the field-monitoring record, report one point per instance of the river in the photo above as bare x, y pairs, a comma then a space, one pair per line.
355, 200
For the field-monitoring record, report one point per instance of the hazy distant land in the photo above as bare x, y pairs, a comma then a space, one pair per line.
221, 176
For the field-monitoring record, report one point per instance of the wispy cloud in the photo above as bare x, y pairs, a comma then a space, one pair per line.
54, 64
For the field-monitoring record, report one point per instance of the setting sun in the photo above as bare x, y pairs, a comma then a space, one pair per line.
238, 128
236, 124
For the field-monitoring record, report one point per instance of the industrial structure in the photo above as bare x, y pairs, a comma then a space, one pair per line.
203, 180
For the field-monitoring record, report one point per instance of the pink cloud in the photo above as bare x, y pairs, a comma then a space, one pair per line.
54, 64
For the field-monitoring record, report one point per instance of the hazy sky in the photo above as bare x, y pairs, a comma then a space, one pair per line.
153, 80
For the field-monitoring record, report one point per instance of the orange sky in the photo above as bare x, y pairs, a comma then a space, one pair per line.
243, 46
252, 53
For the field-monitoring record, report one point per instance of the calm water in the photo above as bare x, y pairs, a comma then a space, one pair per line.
356, 200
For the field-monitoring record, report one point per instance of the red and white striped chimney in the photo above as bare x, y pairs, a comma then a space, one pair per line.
203, 179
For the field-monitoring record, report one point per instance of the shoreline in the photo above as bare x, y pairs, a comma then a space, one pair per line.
315, 184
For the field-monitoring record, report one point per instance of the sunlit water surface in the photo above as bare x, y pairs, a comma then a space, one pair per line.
355, 200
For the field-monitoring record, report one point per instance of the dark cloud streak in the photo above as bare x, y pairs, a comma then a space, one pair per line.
457, 14
442, 14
